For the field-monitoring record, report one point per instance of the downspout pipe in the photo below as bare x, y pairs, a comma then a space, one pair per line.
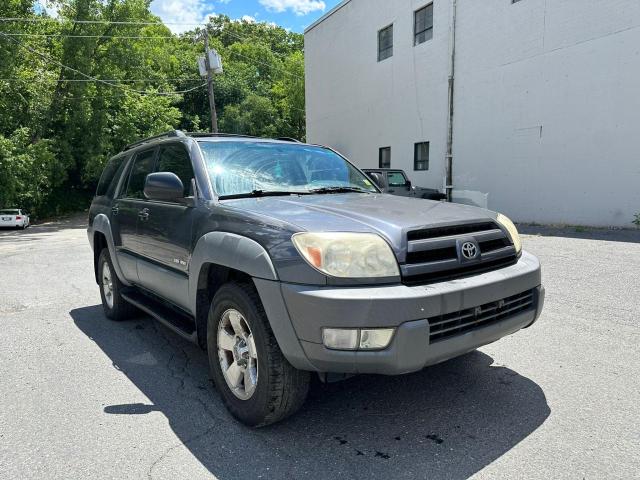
452, 71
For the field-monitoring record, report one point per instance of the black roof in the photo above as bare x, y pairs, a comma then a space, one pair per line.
181, 134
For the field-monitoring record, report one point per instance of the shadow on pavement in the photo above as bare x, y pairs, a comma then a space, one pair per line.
447, 421
584, 233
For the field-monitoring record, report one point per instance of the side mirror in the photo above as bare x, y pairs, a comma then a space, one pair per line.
163, 186
408, 184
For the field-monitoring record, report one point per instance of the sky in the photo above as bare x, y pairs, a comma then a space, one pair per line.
293, 15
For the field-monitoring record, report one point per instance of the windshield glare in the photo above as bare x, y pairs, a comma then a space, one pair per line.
238, 168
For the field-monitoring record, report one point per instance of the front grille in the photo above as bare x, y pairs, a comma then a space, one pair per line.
456, 323
460, 272
450, 230
433, 254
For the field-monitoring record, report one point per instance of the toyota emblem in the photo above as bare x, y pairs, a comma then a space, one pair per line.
469, 250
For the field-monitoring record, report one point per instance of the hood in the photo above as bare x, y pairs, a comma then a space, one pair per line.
388, 215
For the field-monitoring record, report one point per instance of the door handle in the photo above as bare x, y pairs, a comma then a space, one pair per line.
143, 214
115, 210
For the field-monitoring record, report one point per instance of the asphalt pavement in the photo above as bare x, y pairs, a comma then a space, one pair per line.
82, 397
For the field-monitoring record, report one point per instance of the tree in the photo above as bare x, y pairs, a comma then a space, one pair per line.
58, 126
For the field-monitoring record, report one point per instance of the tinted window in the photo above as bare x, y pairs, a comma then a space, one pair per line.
142, 166
108, 175
385, 43
421, 156
384, 157
423, 25
396, 179
9, 212
175, 159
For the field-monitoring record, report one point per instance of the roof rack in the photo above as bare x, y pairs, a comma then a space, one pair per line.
169, 134
179, 133
205, 134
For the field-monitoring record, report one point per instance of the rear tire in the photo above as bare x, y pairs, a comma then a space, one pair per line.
114, 305
259, 386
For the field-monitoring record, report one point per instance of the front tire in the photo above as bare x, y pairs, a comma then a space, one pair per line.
114, 305
257, 384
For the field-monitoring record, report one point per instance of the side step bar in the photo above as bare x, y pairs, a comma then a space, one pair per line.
180, 323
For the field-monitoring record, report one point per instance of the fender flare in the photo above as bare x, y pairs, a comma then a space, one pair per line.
228, 250
101, 224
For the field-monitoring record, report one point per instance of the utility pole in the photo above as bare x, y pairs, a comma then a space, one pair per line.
452, 70
212, 100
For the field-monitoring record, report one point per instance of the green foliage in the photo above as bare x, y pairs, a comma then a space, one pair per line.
56, 135
28, 170
636, 219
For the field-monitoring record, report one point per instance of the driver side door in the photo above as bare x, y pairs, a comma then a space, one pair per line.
165, 232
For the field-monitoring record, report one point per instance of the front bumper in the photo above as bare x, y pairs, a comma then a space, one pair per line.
298, 313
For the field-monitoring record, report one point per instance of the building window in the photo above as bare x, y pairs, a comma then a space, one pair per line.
421, 156
385, 43
384, 157
423, 25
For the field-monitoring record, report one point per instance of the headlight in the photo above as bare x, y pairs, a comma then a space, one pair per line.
513, 231
347, 255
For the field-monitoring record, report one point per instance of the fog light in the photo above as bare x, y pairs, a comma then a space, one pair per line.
339, 339
354, 339
375, 339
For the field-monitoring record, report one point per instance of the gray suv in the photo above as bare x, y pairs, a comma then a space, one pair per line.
282, 259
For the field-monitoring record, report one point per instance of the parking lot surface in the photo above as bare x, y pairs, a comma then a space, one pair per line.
82, 397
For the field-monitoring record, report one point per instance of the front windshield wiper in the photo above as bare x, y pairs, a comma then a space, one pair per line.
260, 193
324, 190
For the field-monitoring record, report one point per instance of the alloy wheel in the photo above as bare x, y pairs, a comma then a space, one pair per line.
237, 354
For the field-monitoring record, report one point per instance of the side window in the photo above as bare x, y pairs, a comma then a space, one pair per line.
175, 159
396, 179
423, 25
142, 166
108, 175
384, 157
385, 43
421, 156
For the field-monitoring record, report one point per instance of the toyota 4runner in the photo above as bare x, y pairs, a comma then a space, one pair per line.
282, 259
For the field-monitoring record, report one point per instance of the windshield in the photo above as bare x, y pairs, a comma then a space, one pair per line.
245, 168
9, 212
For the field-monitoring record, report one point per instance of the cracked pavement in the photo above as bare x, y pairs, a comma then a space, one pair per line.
83, 397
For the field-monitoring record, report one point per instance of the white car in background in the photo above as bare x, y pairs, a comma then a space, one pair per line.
14, 218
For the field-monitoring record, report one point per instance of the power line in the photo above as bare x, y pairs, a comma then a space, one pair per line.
84, 80
265, 64
62, 35
116, 22
82, 74
90, 22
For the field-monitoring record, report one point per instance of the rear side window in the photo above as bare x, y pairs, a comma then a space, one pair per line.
108, 175
396, 179
175, 159
142, 166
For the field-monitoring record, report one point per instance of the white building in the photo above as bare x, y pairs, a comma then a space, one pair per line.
546, 99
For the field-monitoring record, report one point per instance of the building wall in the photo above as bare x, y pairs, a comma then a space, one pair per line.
547, 100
